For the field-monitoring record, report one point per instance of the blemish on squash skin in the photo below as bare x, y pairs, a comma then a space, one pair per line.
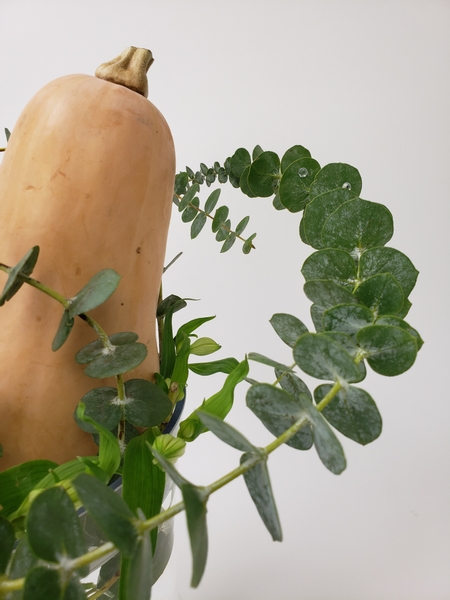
30, 187
78, 271
138, 250
39, 319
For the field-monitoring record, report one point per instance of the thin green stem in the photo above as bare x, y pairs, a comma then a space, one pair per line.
329, 397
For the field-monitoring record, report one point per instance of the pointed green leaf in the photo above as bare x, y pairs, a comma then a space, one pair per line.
278, 411
7, 540
292, 155
195, 506
224, 231
224, 365
168, 467
109, 510
319, 356
98, 289
248, 244
218, 404
347, 318
263, 174
352, 412
336, 176
390, 350
328, 293
118, 360
191, 211
317, 212
288, 327
389, 260
358, 225
64, 329
191, 326
258, 484
331, 264
225, 432
53, 527
229, 242
381, 293
24, 267
7, 134
146, 404
295, 183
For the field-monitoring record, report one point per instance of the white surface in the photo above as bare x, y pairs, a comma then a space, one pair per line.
358, 82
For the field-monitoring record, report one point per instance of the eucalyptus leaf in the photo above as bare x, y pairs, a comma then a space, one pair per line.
220, 216
243, 183
389, 260
188, 196
336, 176
229, 435
64, 329
255, 356
319, 356
24, 267
191, 210
224, 231
240, 160
389, 350
43, 583
288, 328
348, 342
331, 264
197, 224
242, 225
292, 384
358, 224
229, 242
23, 560
98, 289
137, 576
212, 200
264, 172
248, 244
102, 406
54, 529
109, 511
293, 154
96, 348
328, 293
116, 361
396, 322
381, 293
295, 182
317, 212
146, 404
278, 410
347, 318
258, 484
352, 412
195, 506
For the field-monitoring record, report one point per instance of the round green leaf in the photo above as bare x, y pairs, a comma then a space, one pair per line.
358, 225
381, 293
292, 155
243, 183
317, 212
331, 264
319, 356
397, 322
120, 360
352, 412
263, 174
53, 527
347, 318
295, 183
349, 344
98, 289
240, 160
389, 350
101, 405
336, 176
278, 411
328, 293
146, 403
292, 384
96, 348
388, 260
317, 316
288, 327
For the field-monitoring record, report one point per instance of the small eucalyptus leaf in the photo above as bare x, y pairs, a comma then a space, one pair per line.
64, 329
98, 289
288, 327
225, 432
24, 267
336, 176
331, 264
212, 200
197, 224
146, 404
317, 212
120, 360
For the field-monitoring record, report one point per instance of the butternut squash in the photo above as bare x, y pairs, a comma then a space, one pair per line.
88, 176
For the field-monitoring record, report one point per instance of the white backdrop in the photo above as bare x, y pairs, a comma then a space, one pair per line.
359, 82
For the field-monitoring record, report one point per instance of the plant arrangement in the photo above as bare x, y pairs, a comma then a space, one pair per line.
120, 428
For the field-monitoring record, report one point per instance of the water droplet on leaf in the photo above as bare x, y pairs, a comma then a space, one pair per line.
303, 172
347, 185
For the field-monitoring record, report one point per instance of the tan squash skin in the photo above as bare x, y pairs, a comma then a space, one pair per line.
88, 176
